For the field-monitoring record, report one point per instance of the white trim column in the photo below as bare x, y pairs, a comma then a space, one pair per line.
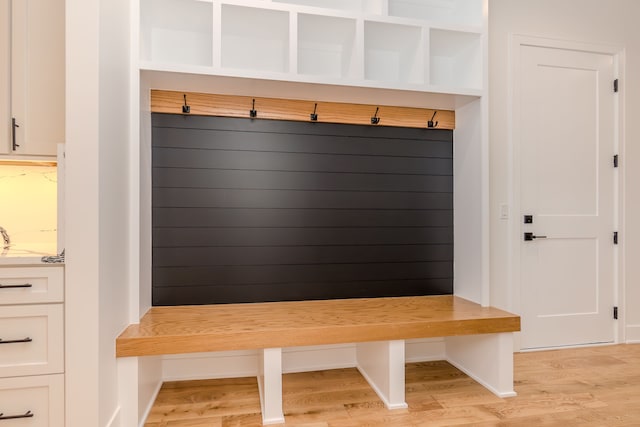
382, 365
270, 385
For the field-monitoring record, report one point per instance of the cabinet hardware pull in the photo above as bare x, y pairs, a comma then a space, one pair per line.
14, 125
26, 285
29, 414
27, 339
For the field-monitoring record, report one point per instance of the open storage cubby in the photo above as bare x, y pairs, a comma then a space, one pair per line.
327, 53
393, 53
255, 38
377, 7
459, 12
425, 45
455, 59
176, 32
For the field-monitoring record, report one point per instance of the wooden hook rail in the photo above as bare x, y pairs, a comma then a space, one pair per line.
203, 104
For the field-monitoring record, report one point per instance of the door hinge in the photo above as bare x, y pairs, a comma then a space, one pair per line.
615, 161
615, 237
615, 85
615, 313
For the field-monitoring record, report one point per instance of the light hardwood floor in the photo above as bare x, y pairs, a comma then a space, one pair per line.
597, 386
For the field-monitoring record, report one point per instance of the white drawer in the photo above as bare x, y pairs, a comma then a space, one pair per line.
32, 340
38, 401
31, 285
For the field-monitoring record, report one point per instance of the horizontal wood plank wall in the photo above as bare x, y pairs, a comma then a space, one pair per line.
285, 109
261, 210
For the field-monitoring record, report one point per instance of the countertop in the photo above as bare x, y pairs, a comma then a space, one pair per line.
17, 255
25, 260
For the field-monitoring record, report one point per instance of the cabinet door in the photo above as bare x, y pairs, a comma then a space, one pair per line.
32, 340
5, 75
31, 285
32, 401
37, 75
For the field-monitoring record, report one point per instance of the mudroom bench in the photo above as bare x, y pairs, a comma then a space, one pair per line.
478, 340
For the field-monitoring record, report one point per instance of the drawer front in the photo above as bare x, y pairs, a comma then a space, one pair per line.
31, 285
32, 340
33, 401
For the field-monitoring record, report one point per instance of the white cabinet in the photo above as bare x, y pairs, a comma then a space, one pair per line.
32, 401
31, 337
32, 42
418, 45
32, 345
5, 76
31, 285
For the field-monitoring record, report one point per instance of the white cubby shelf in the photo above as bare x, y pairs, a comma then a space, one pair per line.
418, 45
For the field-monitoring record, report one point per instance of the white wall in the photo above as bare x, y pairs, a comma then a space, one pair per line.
593, 21
97, 231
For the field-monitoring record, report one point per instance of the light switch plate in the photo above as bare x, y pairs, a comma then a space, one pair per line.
504, 211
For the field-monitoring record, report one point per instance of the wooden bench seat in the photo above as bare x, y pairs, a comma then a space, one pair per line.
478, 339
190, 329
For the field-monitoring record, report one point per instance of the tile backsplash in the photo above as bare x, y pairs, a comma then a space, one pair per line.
28, 206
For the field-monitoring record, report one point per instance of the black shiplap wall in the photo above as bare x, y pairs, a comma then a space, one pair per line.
256, 210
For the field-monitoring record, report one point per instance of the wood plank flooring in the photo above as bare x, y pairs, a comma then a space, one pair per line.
597, 386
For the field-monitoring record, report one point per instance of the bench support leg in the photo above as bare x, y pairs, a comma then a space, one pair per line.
487, 358
382, 365
270, 385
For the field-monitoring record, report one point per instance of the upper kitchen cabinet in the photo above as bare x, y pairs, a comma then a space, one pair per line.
32, 77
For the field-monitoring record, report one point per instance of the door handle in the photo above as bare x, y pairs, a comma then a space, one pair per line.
26, 285
25, 340
14, 126
28, 414
530, 236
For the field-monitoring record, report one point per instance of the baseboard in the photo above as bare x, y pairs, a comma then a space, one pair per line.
424, 350
318, 358
632, 334
197, 366
238, 364
482, 382
381, 395
149, 406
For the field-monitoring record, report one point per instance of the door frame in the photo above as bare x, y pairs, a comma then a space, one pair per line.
516, 43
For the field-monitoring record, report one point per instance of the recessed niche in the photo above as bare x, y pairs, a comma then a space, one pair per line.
255, 39
176, 32
393, 53
462, 12
326, 46
455, 59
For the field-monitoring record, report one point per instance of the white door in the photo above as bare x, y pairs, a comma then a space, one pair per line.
567, 137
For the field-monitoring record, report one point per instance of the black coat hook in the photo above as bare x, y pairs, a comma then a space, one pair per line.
431, 123
253, 113
375, 119
314, 116
185, 108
